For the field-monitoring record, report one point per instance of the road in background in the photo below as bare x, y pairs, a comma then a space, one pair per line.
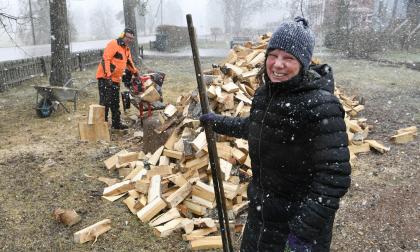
16, 53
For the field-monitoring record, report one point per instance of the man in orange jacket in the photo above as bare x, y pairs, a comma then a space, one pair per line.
116, 58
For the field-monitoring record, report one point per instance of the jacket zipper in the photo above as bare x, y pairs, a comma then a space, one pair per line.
259, 156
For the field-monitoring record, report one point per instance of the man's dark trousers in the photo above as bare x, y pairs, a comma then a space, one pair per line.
109, 96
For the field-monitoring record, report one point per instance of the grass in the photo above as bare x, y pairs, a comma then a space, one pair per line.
367, 73
399, 56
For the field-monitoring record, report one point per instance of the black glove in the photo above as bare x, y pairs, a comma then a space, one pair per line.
298, 245
208, 118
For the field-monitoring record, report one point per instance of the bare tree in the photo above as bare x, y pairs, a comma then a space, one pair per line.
413, 17
40, 10
140, 10
215, 31
130, 21
8, 24
237, 11
41, 21
101, 23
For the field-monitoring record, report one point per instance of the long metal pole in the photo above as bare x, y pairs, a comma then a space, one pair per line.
32, 23
211, 144
161, 12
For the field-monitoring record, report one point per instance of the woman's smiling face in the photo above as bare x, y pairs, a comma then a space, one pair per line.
281, 66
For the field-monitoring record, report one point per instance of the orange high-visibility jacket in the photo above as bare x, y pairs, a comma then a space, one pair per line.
116, 58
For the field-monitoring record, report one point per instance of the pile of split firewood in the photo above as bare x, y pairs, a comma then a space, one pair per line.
171, 189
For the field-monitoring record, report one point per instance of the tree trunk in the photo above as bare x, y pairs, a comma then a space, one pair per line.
228, 16
130, 21
413, 8
394, 9
60, 48
32, 23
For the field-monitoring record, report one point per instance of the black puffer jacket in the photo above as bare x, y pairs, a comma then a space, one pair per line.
298, 148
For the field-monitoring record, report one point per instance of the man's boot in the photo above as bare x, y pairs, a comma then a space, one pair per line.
119, 126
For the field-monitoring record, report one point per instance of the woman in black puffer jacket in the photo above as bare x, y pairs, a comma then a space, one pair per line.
298, 148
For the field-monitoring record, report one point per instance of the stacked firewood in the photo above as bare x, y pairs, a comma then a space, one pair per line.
357, 127
172, 189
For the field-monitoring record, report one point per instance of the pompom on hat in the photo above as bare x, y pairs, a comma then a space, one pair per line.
296, 38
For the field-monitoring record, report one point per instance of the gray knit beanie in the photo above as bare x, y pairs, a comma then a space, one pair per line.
295, 38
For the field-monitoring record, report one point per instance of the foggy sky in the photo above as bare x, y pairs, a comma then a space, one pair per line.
174, 12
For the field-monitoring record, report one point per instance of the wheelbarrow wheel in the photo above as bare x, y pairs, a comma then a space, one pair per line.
44, 108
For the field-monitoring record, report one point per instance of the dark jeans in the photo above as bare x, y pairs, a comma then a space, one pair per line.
109, 96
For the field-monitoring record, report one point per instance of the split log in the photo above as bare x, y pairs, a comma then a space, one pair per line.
142, 173
170, 110
238, 108
150, 95
243, 98
211, 92
126, 157
119, 188
155, 157
162, 170
252, 55
200, 141
240, 208
95, 132
199, 233
92, 232
164, 160
96, 114
173, 154
151, 210
223, 150
197, 163
412, 129
154, 188
111, 162
114, 197
142, 186
229, 102
179, 195
259, 59
209, 242
133, 204
168, 228
169, 144
237, 71
226, 168
365, 147
195, 208
203, 191
171, 214
178, 179
204, 222
250, 73
230, 87
203, 202
239, 155
403, 138
377, 146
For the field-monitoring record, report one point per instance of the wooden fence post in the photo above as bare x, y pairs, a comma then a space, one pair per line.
43, 66
79, 57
